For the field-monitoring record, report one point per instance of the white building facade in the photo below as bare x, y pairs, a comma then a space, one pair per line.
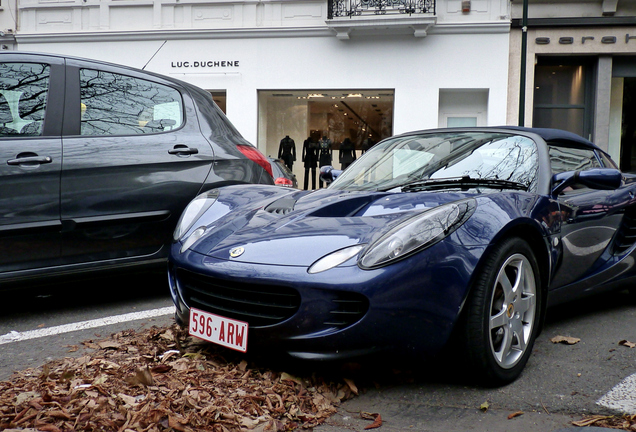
362, 70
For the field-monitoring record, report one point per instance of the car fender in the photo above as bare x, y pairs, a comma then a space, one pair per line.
529, 219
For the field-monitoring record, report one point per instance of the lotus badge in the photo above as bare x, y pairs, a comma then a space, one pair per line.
237, 252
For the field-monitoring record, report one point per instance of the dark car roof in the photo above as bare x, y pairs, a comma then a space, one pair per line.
556, 136
94, 61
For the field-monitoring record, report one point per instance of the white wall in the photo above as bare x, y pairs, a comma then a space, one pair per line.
416, 68
8, 16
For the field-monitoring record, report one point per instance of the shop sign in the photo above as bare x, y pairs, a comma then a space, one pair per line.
568, 40
205, 64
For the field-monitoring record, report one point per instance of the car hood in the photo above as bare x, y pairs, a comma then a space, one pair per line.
265, 226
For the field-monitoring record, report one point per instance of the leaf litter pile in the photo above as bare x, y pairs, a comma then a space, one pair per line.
161, 379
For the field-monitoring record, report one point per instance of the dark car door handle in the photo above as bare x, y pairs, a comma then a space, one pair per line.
183, 150
30, 160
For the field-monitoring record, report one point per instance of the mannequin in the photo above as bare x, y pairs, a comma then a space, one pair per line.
287, 151
310, 158
325, 153
367, 144
347, 153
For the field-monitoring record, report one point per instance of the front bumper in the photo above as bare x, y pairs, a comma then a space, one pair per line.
408, 307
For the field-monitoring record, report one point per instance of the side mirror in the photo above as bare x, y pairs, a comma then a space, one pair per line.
597, 178
329, 174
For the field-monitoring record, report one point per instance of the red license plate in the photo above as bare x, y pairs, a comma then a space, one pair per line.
219, 330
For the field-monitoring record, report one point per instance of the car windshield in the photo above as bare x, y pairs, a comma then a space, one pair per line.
403, 160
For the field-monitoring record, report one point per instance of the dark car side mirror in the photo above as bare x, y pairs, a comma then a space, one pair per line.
329, 174
597, 178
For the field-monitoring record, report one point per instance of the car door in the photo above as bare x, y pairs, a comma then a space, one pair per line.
134, 159
31, 104
590, 218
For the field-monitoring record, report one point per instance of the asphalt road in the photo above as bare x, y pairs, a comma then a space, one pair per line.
48, 307
561, 382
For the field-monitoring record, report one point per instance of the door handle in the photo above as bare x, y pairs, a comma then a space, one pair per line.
30, 160
183, 150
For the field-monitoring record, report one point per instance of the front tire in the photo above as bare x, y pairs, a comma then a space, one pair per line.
503, 313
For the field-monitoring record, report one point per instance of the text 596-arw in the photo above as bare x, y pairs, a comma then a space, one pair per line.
219, 330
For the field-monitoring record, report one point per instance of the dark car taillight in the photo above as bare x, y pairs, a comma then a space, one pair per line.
256, 156
282, 181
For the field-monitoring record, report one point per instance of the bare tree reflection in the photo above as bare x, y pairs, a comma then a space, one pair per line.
23, 92
114, 104
479, 155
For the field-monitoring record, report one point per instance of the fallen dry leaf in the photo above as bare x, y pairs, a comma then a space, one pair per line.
588, 421
484, 406
567, 340
627, 344
377, 422
162, 368
108, 344
130, 383
351, 385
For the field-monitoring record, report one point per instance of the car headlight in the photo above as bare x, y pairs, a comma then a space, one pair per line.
417, 232
194, 211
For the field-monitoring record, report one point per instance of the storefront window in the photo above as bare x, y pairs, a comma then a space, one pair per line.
220, 98
347, 121
562, 95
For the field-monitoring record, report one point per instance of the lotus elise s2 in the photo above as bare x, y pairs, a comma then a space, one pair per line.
464, 234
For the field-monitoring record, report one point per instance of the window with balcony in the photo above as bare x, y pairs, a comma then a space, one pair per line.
380, 16
348, 8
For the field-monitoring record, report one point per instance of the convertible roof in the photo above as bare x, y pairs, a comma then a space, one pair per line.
555, 135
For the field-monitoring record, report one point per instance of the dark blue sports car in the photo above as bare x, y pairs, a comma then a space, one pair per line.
470, 233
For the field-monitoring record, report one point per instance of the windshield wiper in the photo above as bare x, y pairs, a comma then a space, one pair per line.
464, 183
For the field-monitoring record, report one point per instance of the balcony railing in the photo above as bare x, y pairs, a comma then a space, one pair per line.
351, 8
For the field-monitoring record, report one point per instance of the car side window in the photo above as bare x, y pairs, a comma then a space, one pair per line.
607, 162
572, 159
114, 104
23, 94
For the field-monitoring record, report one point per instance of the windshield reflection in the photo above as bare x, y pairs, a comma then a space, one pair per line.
480, 155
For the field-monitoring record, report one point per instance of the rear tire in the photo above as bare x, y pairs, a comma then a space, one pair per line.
502, 314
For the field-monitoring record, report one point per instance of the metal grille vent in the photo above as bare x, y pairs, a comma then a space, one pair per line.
281, 206
348, 308
258, 305
626, 235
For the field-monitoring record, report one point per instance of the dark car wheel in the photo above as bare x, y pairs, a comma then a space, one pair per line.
502, 313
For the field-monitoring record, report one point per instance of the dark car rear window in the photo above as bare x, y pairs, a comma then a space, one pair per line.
114, 104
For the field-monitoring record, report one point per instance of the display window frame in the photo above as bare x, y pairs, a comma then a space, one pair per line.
363, 116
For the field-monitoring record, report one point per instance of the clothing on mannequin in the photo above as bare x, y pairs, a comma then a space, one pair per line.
310, 159
367, 144
287, 151
325, 153
347, 153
